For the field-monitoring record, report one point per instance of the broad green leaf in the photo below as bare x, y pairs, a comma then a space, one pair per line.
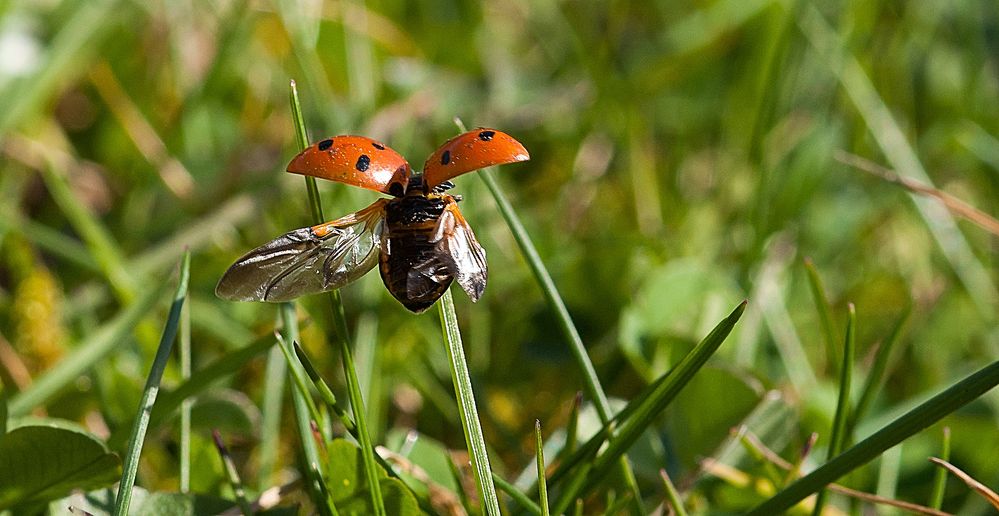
346, 482
39, 463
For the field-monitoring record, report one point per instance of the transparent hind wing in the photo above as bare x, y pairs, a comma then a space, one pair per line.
308, 260
457, 247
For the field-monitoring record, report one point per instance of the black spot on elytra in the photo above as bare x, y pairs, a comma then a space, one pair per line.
378, 145
363, 163
396, 190
446, 157
325, 144
486, 135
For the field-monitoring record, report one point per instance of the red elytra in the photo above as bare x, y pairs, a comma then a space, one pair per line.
470, 151
354, 160
363, 162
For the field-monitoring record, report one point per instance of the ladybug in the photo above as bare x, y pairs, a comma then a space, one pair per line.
418, 238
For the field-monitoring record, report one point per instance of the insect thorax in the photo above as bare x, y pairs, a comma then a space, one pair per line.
414, 209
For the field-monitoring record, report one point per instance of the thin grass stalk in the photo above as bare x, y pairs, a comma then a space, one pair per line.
459, 481
343, 335
839, 428
591, 382
540, 454
185, 407
673, 499
940, 475
825, 311
926, 414
275, 375
587, 474
324, 390
572, 427
315, 484
466, 407
141, 424
232, 475
517, 495
876, 377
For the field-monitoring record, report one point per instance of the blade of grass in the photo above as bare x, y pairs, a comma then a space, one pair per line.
87, 353
324, 390
824, 309
940, 475
466, 407
863, 452
232, 475
839, 428
876, 377
517, 495
591, 383
184, 353
343, 335
275, 375
131, 465
588, 474
315, 484
540, 454
672, 495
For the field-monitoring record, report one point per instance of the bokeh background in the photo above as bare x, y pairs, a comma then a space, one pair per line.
685, 156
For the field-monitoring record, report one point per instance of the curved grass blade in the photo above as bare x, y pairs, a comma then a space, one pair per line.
924, 415
839, 430
343, 335
466, 407
149, 393
645, 412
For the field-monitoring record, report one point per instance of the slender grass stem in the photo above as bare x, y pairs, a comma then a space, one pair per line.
184, 353
825, 311
466, 407
672, 495
232, 475
315, 483
517, 495
539, 451
940, 475
839, 429
141, 424
343, 335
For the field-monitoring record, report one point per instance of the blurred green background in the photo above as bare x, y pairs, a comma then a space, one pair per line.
683, 159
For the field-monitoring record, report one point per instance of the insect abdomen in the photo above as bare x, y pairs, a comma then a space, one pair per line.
412, 270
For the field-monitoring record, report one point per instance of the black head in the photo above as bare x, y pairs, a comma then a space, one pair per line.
416, 186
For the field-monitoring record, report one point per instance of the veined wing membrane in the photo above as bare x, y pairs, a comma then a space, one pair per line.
457, 246
308, 260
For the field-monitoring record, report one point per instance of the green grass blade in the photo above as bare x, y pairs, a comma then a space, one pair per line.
299, 383
863, 452
825, 311
639, 418
539, 450
184, 353
839, 430
275, 375
466, 407
231, 474
876, 377
324, 391
517, 495
940, 475
131, 465
87, 353
343, 335
314, 481
673, 499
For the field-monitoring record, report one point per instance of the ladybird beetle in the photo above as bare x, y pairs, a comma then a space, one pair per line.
419, 238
